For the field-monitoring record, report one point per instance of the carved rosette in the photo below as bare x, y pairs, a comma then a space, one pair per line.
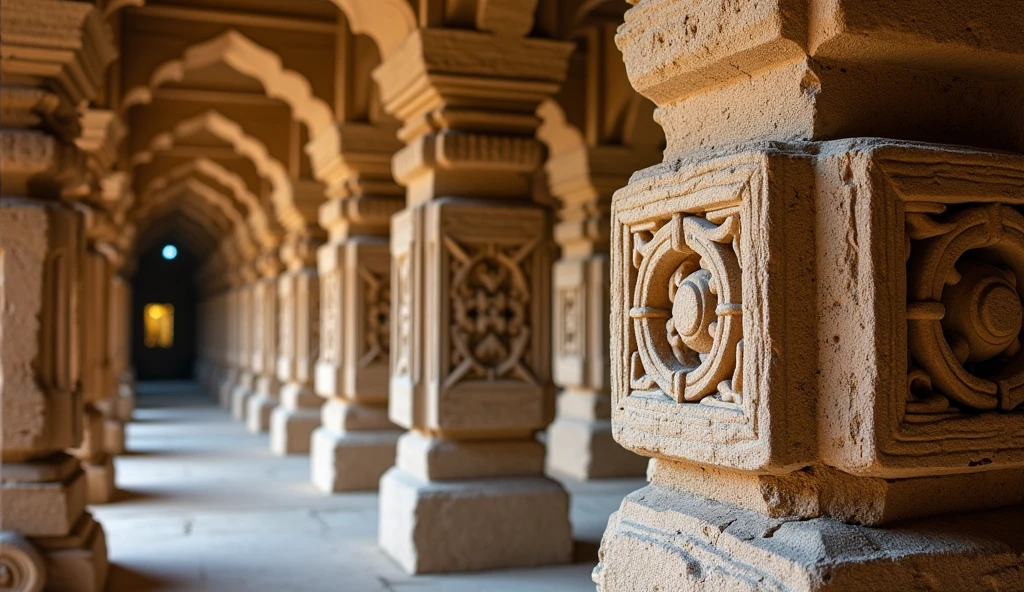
490, 310
964, 312
687, 309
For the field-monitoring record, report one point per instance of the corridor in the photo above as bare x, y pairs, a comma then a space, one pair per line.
202, 505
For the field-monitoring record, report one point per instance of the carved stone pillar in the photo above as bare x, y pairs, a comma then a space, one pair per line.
293, 421
356, 442
264, 363
816, 315
118, 409
245, 388
470, 275
233, 358
583, 176
53, 58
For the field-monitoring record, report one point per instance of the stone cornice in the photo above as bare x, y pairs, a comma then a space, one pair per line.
64, 45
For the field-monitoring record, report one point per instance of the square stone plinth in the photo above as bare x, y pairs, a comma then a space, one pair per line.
257, 413
472, 525
587, 450
661, 536
77, 562
43, 497
352, 461
291, 429
240, 396
99, 478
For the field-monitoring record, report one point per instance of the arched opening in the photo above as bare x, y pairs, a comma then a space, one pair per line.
164, 317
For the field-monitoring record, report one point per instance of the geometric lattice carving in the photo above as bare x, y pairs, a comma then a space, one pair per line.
490, 318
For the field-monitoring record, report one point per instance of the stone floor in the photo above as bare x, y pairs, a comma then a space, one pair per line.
203, 505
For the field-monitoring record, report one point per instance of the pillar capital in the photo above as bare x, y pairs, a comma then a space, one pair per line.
468, 102
63, 46
794, 70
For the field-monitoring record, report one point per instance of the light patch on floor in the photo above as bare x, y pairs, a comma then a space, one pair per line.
205, 506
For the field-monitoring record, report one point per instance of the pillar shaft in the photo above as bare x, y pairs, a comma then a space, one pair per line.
298, 414
265, 317
790, 294
245, 387
356, 441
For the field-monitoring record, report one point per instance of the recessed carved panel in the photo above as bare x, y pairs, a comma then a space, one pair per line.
330, 313
569, 320
403, 314
712, 313
687, 308
490, 290
376, 317
965, 289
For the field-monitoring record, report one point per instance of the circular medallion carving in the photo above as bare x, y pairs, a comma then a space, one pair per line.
966, 309
687, 308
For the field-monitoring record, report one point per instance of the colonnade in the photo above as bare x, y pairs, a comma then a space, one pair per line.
437, 228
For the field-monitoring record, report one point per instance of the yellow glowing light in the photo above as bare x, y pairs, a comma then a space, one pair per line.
158, 324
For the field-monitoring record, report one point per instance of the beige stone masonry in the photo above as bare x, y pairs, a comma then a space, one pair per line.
356, 441
264, 362
597, 131
816, 310
292, 422
470, 264
54, 54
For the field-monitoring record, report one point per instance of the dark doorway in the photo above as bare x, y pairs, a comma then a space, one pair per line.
164, 313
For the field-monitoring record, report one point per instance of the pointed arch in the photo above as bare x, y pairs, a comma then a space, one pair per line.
256, 215
248, 58
230, 132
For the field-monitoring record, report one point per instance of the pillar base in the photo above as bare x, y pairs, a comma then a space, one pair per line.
76, 562
484, 524
99, 479
586, 450
240, 396
258, 410
293, 421
665, 539
351, 461
114, 437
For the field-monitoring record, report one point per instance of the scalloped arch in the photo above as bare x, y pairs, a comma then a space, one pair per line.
195, 195
229, 131
256, 214
248, 58
387, 22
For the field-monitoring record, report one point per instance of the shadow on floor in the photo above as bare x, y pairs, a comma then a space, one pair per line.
122, 579
585, 551
129, 496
